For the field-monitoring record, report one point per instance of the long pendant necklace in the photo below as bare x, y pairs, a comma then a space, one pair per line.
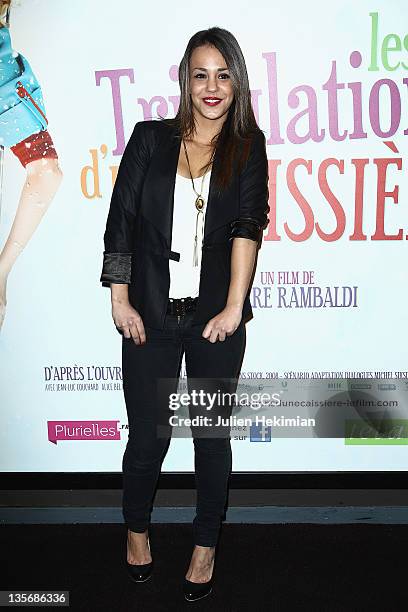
199, 204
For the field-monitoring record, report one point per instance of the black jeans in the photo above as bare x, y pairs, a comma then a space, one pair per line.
143, 365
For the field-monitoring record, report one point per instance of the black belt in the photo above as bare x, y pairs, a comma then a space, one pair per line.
179, 306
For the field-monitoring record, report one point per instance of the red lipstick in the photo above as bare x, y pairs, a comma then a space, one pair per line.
211, 101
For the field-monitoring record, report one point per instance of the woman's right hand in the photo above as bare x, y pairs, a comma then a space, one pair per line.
128, 321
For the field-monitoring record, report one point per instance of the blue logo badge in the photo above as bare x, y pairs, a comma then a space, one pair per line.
260, 433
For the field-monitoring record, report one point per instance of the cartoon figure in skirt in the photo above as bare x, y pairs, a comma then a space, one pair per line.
23, 128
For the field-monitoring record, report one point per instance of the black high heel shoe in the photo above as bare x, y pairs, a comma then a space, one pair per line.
140, 573
197, 590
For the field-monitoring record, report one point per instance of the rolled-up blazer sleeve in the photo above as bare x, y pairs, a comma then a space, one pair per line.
117, 256
254, 194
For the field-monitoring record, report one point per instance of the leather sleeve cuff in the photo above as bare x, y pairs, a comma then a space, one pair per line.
116, 268
246, 227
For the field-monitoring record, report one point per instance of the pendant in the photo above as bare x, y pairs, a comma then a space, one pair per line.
195, 253
199, 203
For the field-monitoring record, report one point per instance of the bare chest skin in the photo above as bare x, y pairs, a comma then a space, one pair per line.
198, 154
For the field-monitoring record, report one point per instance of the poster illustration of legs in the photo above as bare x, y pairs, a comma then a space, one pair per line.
23, 128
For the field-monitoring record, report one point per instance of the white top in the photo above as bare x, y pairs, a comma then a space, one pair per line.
184, 277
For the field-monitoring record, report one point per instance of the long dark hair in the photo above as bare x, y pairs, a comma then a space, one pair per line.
233, 142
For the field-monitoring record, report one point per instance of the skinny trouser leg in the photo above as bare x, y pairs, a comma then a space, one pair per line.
210, 366
142, 365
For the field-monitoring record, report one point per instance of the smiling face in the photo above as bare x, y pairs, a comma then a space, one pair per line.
210, 84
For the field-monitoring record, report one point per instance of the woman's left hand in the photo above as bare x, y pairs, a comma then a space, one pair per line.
223, 324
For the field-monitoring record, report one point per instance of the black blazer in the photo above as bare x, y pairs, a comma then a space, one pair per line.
139, 224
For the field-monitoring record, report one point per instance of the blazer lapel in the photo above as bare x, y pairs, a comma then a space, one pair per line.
158, 199
221, 209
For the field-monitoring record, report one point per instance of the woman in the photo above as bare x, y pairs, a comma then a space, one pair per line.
32, 146
185, 222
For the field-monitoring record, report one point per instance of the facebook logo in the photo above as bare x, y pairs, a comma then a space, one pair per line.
260, 433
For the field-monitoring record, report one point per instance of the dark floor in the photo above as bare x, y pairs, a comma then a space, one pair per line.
258, 567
